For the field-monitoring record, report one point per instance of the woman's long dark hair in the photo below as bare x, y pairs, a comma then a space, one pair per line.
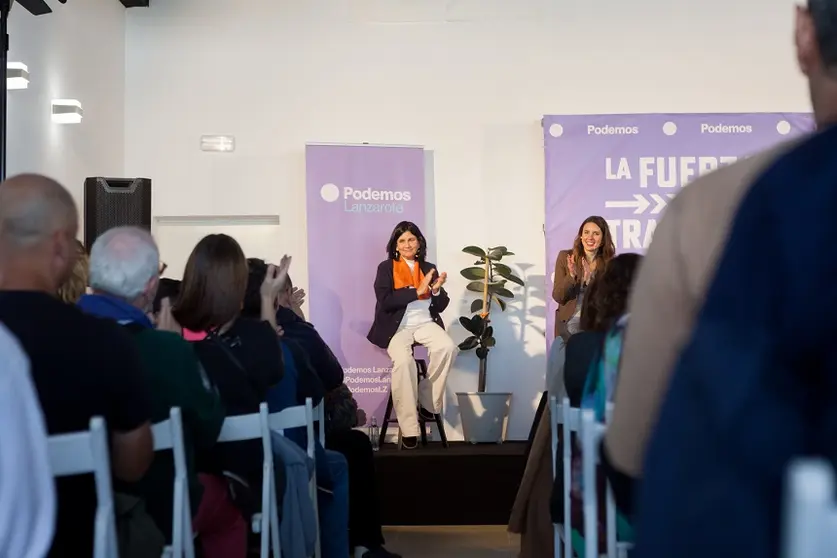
213, 286
605, 251
606, 298
401, 228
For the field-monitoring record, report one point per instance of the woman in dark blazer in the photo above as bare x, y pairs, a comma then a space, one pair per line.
410, 298
574, 269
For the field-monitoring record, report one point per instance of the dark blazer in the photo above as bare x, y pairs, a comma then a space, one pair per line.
389, 310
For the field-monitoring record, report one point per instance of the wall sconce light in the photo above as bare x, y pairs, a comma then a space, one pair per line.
17, 75
219, 144
66, 111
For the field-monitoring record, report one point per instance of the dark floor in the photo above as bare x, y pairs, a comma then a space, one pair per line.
463, 484
452, 542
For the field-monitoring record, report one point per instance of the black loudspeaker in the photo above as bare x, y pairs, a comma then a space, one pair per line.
115, 202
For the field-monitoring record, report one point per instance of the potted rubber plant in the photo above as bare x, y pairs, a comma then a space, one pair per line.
485, 415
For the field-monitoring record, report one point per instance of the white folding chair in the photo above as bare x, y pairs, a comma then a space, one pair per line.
570, 420
319, 417
254, 427
298, 417
810, 522
85, 452
591, 434
168, 435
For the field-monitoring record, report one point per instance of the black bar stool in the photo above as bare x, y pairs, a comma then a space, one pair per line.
421, 365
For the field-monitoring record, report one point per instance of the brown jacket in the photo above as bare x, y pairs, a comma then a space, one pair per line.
565, 289
668, 293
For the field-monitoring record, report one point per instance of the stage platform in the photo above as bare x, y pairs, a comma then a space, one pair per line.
464, 484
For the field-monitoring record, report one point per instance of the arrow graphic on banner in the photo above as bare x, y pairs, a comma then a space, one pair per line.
640, 204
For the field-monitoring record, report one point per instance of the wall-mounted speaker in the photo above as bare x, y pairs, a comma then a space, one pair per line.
115, 202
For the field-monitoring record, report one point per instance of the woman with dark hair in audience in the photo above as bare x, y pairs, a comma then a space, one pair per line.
241, 356
410, 300
605, 302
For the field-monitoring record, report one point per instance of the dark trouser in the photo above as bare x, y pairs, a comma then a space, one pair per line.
364, 516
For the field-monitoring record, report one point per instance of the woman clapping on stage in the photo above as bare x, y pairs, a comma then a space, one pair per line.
575, 269
410, 298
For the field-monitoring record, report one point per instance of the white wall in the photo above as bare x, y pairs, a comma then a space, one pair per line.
468, 79
77, 52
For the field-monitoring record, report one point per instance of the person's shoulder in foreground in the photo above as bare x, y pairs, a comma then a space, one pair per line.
101, 357
27, 513
760, 360
668, 291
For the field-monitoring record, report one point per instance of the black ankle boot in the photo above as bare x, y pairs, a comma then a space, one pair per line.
409, 442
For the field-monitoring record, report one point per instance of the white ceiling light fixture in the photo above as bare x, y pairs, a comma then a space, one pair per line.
17, 75
218, 144
66, 111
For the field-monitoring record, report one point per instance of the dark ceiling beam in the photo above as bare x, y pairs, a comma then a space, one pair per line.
135, 3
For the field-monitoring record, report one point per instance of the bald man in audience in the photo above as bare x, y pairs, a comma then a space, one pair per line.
81, 366
683, 258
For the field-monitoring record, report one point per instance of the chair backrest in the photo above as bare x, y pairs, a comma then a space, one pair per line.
569, 418
253, 427
592, 432
168, 435
295, 417
810, 522
319, 418
80, 453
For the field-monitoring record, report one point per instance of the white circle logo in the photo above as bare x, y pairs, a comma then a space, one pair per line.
329, 192
783, 127
669, 128
556, 130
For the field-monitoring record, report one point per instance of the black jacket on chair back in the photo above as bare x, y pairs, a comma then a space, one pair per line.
392, 302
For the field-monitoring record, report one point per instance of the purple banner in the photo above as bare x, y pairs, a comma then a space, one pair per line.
627, 167
355, 196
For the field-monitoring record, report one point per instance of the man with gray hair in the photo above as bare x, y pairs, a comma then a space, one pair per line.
81, 366
124, 276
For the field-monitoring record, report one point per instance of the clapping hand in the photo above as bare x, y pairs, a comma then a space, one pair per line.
275, 279
425, 284
297, 297
588, 272
571, 265
443, 277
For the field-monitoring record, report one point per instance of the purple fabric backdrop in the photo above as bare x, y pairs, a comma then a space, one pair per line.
626, 167
355, 196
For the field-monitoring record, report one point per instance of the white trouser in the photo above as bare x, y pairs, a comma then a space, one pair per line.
430, 392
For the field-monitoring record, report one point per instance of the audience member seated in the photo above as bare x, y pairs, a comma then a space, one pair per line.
76, 284
605, 302
124, 264
241, 356
82, 366
27, 491
341, 412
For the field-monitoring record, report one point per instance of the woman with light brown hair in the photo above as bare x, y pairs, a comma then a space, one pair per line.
76, 285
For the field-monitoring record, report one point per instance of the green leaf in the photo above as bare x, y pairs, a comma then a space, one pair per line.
490, 342
514, 279
473, 273
476, 305
477, 323
479, 262
466, 323
507, 253
482, 353
469, 343
500, 302
501, 269
500, 291
475, 286
474, 251
488, 332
